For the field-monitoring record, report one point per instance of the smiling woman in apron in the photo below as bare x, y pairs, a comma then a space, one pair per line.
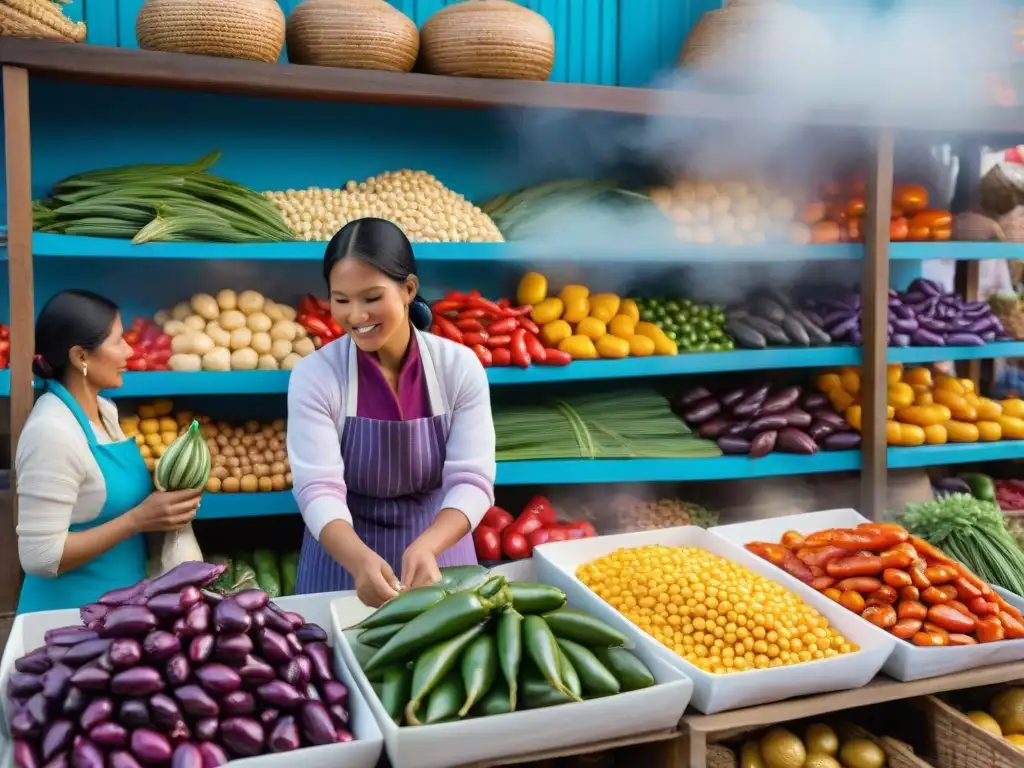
390, 435
85, 496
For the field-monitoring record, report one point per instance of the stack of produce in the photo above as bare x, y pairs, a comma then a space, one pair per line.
234, 332
315, 317
898, 582
160, 203
166, 672
5, 346
249, 457
588, 326
499, 333
545, 209
151, 347
1005, 716
650, 585
500, 536
972, 531
769, 319
821, 747
732, 213
425, 209
839, 216
922, 316
533, 653
694, 327
617, 424
632, 514
928, 410
759, 419
262, 569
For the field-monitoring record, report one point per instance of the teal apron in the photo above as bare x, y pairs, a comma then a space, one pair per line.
128, 482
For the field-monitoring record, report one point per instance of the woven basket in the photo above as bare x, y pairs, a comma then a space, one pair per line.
488, 38
1010, 314
233, 29
959, 743
40, 19
361, 34
744, 36
720, 756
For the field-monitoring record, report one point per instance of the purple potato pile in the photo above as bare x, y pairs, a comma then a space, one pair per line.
760, 419
165, 673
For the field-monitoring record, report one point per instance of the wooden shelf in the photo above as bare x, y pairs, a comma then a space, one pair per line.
103, 65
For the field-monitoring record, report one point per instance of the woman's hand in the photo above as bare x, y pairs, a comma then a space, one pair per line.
419, 566
375, 581
165, 511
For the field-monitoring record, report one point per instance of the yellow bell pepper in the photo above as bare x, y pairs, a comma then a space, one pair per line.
958, 405
554, 332
918, 377
897, 433
579, 347
826, 382
592, 328
576, 308
923, 415
851, 381
935, 434
962, 432
841, 399
1013, 427
1013, 406
893, 373
622, 326
950, 384
545, 311
532, 289
629, 308
988, 409
900, 395
612, 347
663, 345
989, 431
604, 306
854, 416
641, 346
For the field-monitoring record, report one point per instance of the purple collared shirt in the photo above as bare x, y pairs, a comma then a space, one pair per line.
376, 398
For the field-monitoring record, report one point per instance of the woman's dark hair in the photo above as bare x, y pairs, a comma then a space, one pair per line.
70, 319
384, 246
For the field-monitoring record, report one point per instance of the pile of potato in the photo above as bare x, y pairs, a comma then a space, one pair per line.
234, 332
246, 458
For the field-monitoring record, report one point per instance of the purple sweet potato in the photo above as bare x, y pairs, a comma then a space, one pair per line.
285, 736
187, 756
316, 724
109, 735
137, 681
85, 753
125, 652
122, 759
159, 645
311, 633
242, 735
177, 669
98, 711
218, 679
163, 710
206, 728
91, 679
230, 618
194, 701
213, 755
150, 747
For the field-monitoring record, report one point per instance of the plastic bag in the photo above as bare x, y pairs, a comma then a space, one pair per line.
179, 547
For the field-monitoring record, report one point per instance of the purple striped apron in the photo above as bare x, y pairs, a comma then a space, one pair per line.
393, 475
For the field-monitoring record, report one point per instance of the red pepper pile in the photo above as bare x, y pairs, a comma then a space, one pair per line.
497, 332
315, 316
500, 537
5, 347
1010, 494
151, 347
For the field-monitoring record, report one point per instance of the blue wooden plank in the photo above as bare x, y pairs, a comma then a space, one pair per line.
100, 17
127, 10
651, 34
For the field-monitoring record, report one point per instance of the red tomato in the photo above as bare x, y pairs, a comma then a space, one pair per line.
541, 508
139, 324
558, 533
538, 537
515, 546
138, 364
585, 529
132, 337
163, 341
5, 346
5, 332
524, 525
497, 518
487, 543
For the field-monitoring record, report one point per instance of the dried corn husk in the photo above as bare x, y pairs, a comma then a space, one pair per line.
40, 19
361, 34
233, 29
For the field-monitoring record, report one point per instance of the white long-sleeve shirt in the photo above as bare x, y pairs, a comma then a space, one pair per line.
58, 480
318, 396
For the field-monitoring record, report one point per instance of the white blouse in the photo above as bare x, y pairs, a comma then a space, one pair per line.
58, 480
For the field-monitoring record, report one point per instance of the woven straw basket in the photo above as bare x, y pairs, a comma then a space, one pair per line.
488, 38
361, 34
233, 29
745, 35
959, 743
39, 19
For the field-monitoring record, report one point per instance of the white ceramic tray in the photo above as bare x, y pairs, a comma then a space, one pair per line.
908, 661
657, 708
557, 563
364, 752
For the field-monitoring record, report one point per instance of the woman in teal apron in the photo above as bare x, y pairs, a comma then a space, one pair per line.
85, 496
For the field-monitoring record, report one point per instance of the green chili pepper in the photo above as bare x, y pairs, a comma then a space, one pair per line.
396, 690
479, 668
455, 578
631, 673
569, 676
452, 616
268, 574
432, 666
490, 588
510, 651
377, 636
528, 597
542, 649
289, 573
496, 702
405, 607
445, 700
583, 628
596, 679
538, 692
363, 654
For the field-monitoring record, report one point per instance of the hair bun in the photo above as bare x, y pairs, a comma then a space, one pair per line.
420, 314
41, 368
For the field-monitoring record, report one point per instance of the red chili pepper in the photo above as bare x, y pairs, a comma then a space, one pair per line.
534, 347
520, 355
504, 303
555, 357
519, 311
479, 302
472, 314
314, 325
470, 325
528, 324
503, 326
444, 306
472, 339
501, 356
473, 294
499, 341
334, 327
436, 330
455, 296
448, 328
483, 354
309, 305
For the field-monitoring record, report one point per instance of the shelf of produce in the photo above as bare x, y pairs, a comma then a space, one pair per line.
955, 453
956, 251
219, 506
936, 354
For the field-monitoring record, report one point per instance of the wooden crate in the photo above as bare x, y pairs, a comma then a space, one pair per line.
957, 741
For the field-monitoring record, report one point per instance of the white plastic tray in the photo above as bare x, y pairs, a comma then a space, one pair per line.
364, 752
659, 707
557, 563
908, 661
